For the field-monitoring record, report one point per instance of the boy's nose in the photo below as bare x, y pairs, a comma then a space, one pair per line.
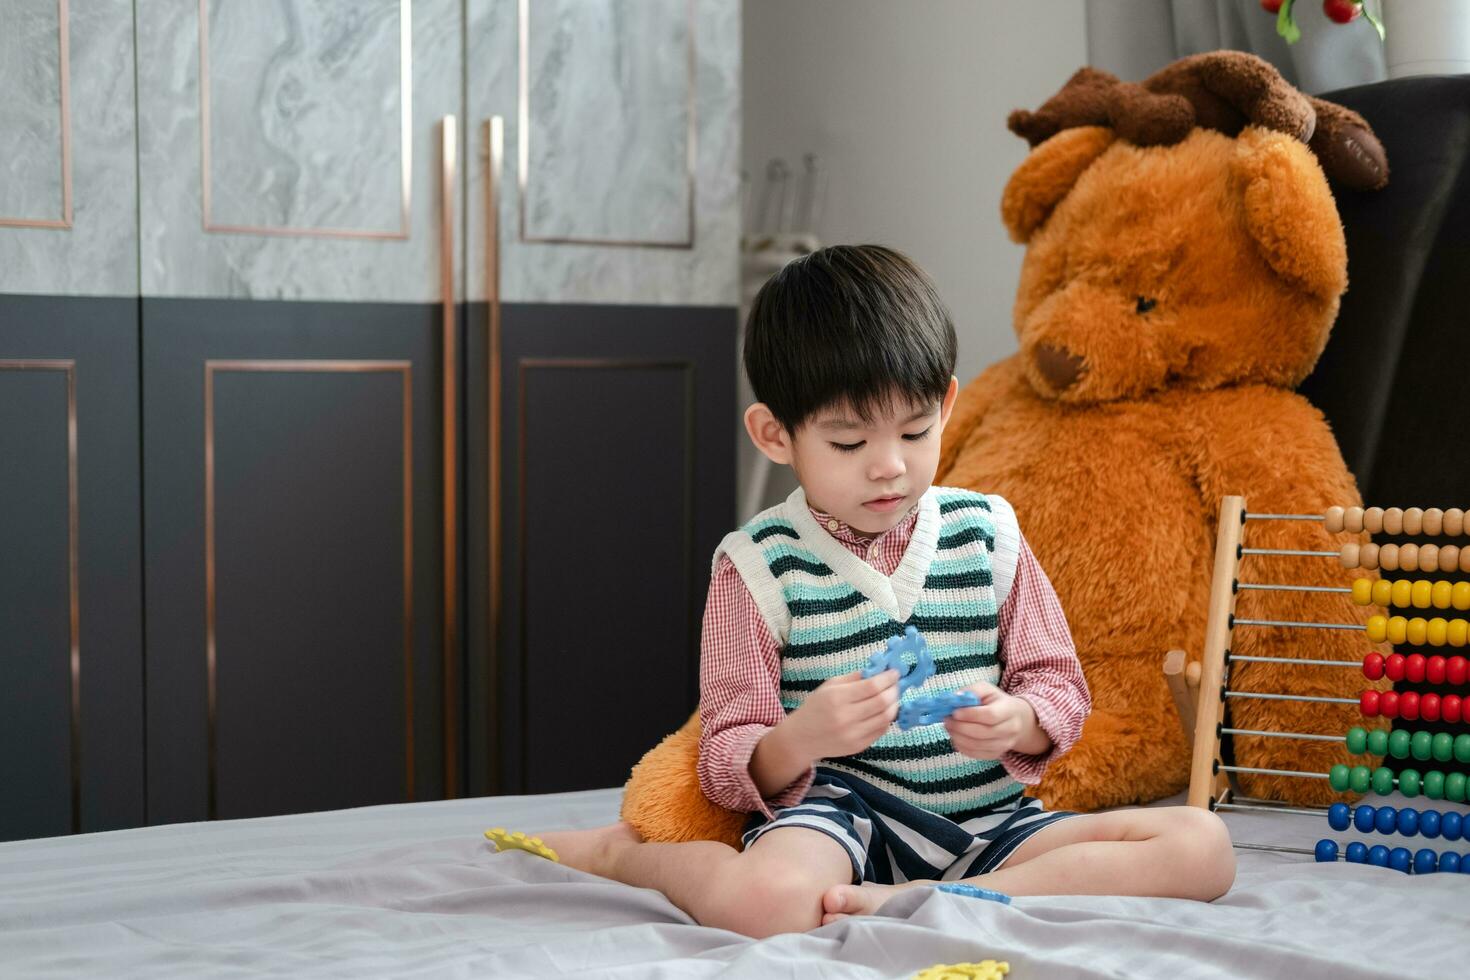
887, 467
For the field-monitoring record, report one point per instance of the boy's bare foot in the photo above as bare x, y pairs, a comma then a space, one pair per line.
591, 850
840, 901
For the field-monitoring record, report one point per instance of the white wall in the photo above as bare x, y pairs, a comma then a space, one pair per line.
905, 101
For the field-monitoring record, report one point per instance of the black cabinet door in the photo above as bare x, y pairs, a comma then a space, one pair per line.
293, 509
617, 482
71, 680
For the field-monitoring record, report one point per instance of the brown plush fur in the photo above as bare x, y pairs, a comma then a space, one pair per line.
1115, 432
1116, 477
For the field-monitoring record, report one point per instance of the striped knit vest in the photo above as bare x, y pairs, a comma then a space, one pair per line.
831, 611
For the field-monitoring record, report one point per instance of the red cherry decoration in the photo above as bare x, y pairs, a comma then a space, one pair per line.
1271, 6
1341, 11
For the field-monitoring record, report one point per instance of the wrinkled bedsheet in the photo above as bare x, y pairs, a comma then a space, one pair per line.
413, 890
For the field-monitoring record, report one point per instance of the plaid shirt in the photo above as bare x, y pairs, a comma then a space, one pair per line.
740, 669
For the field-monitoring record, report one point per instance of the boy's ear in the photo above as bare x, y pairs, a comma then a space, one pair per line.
769, 435
947, 406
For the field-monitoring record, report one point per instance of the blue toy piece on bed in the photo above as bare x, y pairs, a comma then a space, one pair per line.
971, 891
927, 709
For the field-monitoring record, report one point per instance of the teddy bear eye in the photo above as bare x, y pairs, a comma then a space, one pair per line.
1145, 304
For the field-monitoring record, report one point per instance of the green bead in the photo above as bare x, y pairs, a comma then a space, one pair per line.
1434, 784
1357, 740
1337, 777
1420, 744
1378, 741
1462, 748
1398, 744
1360, 779
1454, 787
1383, 780
1409, 782
1444, 747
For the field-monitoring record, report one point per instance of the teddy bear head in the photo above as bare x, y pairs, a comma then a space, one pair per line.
1210, 256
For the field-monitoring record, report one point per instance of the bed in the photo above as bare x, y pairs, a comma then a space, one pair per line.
413, 890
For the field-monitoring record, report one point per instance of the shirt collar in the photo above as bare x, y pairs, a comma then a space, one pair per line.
847, 534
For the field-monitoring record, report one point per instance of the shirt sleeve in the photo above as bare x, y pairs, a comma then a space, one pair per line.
1041, 665
739, 696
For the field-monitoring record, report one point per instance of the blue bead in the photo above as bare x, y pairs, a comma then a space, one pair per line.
1429, 823
1425, 861
1451, 825
1357, 852
1408, 821
1378, 854
1385, 820
1449, 861
1326, 850
1362, 818
1337, 816
1400, 859
1464, 864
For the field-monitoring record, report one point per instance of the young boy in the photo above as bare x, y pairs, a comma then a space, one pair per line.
851, 354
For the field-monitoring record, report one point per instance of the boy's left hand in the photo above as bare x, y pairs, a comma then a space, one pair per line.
1000, 724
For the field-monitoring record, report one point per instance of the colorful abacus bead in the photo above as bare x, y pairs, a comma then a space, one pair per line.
1451, 824
1408, 822
1425, 861
1378, 855
1373, 666
1429, 823
1449, 861
1383, 780
1385, 821
1357, 852
1401, 859
1378, 742
1326, 850
1339, 816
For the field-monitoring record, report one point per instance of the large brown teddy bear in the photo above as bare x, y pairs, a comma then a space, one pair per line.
1172, 296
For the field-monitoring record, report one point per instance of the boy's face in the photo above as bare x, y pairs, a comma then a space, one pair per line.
866, 474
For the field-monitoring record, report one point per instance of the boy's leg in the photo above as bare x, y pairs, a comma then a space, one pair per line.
1167, 852
774, 886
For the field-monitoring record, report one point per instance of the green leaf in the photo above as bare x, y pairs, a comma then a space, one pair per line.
1377, 24
1285, 25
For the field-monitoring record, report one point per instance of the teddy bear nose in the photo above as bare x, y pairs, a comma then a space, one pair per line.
1057, 365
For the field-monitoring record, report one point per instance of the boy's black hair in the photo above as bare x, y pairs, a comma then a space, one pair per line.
849, 325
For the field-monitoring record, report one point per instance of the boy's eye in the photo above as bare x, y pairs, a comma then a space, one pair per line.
846, 447
916, 436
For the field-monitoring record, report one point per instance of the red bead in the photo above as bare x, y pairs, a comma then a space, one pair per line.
1373, 666
1393, 667
1450, 708
1414, 667
1388, 704
1429, 706
1455, 670
1409, 706
1434, 669
1368, 704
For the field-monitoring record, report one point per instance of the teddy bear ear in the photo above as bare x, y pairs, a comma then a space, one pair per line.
1290, 212
1047, 176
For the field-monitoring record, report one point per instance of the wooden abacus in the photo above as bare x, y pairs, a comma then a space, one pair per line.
1212, 781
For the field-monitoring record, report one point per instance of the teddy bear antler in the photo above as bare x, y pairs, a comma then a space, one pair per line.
1220, 90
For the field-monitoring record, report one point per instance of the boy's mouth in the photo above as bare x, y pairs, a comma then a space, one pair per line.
882, 505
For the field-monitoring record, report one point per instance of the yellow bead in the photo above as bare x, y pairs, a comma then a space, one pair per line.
1398, 629
1457, 633
1441, 595
1438, 632
1362, 591
1403, 592
1460, 595
1416, 631
1377, 628
1421, 593
1382, 592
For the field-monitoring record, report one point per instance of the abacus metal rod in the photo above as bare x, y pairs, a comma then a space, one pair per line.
1251, 731
1289, 697
1299, 625
1304, 811
1288, 552
1283, 517
1276, 847
1275, 772
1230, 657
1262, 587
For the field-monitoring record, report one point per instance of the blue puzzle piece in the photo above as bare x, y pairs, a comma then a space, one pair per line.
891, 658
931, 709
970, 891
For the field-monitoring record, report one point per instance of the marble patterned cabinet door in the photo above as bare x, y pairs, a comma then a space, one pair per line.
68, 186
291, 150
621, 168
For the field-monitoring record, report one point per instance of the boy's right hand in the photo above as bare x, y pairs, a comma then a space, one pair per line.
845, 714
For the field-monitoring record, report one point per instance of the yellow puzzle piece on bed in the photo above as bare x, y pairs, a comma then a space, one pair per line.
504, 840
984, 970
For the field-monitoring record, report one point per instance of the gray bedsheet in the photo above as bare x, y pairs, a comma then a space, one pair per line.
412, 890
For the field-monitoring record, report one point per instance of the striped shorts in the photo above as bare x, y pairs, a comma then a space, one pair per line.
890, 841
